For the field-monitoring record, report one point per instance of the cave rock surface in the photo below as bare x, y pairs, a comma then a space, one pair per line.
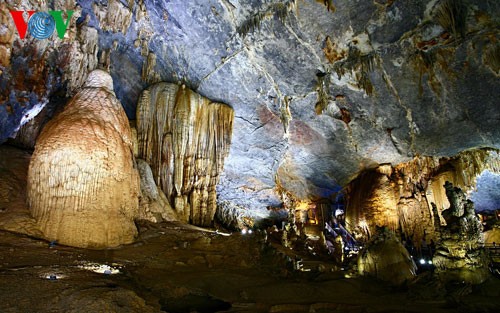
320, 92
83, 185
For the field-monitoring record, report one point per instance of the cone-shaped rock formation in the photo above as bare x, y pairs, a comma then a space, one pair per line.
185, 138
83, 185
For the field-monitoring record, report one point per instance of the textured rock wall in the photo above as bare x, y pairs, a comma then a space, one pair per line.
35, 72
83, 186
153, 204
401, 197
185, 138
366, 83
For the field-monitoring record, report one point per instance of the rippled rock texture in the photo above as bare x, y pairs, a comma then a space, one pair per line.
83, 185
185, 137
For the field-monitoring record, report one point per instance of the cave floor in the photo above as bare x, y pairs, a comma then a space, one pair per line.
181, 268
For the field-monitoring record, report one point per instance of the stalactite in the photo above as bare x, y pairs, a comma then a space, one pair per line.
185, 138
452, 16
83, 186
286, 115
280, 10
360, 64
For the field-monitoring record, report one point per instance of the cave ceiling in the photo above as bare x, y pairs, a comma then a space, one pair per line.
321, 89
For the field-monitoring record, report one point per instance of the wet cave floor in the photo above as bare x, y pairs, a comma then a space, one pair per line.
180, 268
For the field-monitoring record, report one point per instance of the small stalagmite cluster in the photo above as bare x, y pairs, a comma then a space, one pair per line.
83, 185
185, 138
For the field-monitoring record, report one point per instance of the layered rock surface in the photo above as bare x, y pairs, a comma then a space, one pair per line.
389, 79
83, 185
185, 138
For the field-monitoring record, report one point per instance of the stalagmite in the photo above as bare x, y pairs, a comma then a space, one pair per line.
387, 259
83, 186
459, 255
185, 138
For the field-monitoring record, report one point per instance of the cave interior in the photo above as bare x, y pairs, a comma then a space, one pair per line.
249, 156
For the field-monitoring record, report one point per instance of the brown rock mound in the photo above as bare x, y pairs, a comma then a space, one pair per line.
386, 259
82, 182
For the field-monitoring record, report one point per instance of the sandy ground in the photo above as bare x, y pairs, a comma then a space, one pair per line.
181, 268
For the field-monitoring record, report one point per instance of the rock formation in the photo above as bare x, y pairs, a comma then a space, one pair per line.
492, 236
233, 217
387, 259
83, 186
401, 197
153, 204
185, 138
14, 216
459, 255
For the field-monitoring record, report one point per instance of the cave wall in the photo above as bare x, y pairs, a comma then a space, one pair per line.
366, 83
185, 138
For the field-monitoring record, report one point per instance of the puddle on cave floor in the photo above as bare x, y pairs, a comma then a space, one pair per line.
176, 268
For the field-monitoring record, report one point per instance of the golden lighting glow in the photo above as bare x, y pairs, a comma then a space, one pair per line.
302, 205
363, 224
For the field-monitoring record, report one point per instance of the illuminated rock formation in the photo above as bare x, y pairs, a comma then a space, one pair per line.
153, 204
372, 199
83, 186
401, 197
185, 138
387, 259
492, 236
459, 254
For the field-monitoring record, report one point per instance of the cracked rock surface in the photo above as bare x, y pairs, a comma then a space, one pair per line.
319, 92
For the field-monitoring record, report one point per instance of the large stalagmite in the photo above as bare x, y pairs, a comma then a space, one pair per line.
83, 186
185, 138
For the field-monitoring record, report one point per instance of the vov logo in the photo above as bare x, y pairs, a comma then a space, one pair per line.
41, 25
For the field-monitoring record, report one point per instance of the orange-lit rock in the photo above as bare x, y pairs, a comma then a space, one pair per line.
83, 185
401, 197
492, 236
373, 198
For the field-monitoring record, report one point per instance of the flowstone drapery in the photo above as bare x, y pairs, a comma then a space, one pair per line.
185, 138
